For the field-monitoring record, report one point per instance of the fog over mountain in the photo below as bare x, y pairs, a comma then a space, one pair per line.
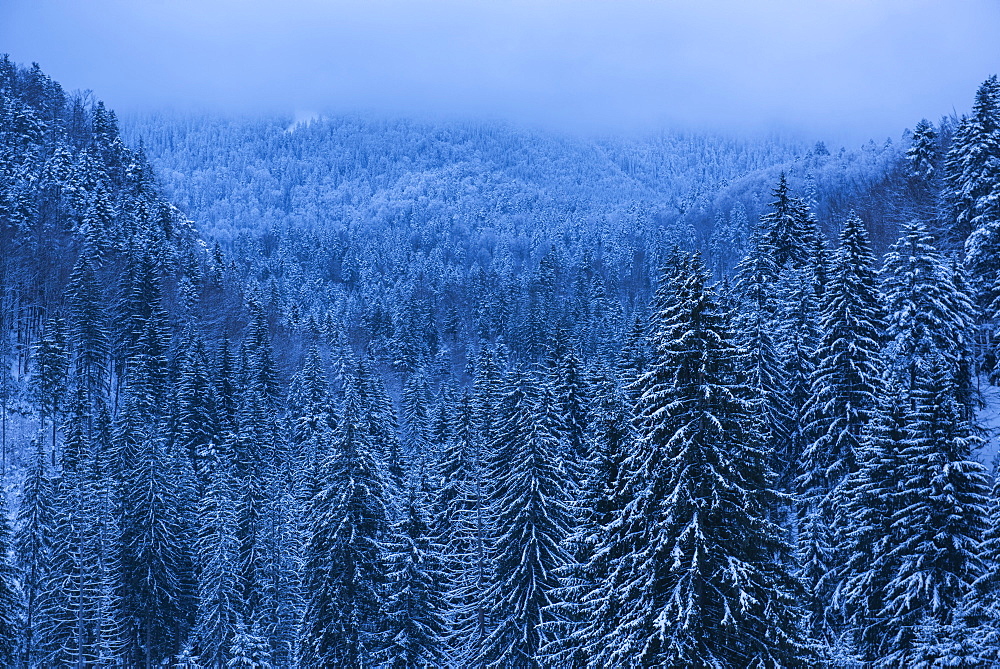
842, 71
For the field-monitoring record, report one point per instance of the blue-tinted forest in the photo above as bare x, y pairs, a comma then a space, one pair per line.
376, 392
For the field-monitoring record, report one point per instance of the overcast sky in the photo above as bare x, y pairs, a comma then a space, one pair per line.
837, 69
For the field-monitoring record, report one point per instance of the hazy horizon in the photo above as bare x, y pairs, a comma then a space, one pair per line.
833, 70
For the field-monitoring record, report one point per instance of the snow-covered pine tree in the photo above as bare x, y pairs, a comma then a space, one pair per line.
381, 423
941, 515
842, 401
462, 525
530, 505
345, 557
309, 412
572, 408
196, 431
594, 506
76, 614
847, 370
33, 551
971, 164
982, 606
416, 605
157, 572
249, 649
416, 444
88, 330
697, 578
216, 552
790, 231
928, 315
925, 179
10, 596
756, 318
871, 497
52, 375
922, 154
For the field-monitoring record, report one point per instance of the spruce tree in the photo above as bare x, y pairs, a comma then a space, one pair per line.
970, 165
941, 515
81, 620
982, 608
52, 362
841, 403
219, 603
872, 497
10, 599
155, 556
415, 606
196, 427
462, 528
531, 507
929, 316
698, 579
596, 504
33, 550
345, 556
88, 331
847, 370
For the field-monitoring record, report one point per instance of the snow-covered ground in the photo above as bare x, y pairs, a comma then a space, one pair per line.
989, 419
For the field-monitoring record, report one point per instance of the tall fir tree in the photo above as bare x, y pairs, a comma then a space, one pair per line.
219, 604
929, 317
416, 605
33, 550
10, 599
872, 497
696, 581
345, 556
531, 506
970, 165
941, 515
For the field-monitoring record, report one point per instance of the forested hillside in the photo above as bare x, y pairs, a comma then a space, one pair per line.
364, 392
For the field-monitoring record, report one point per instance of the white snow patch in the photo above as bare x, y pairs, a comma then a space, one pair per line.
989, 420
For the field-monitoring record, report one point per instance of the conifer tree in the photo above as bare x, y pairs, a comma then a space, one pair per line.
155, 560
789, 229
219, 604
10, 600
981, 610
872, 497
929, 316
249, 649
922, 155
571, 411
415, 606
345, 560
970, 165
80, 605
596, 504
940, 519
695, 581
756, 318
847, 370
530, 504
309, 412
52, 361
33, 546
196, 426
88, 332
461, 526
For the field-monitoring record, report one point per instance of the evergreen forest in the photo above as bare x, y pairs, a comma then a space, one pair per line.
362, 391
